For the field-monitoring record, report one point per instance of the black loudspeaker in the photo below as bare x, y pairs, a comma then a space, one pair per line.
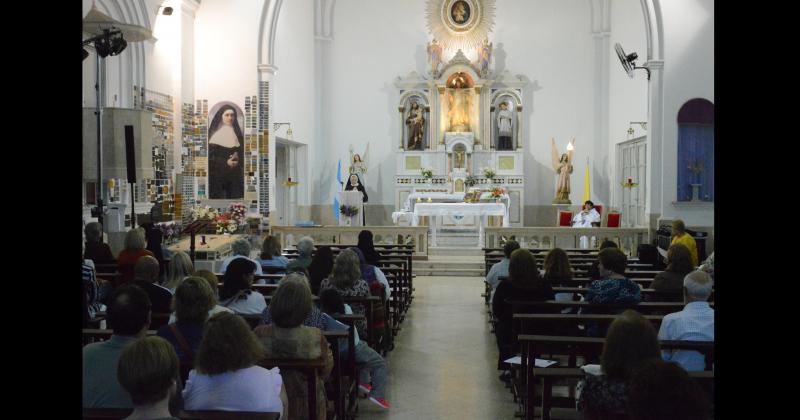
130, 154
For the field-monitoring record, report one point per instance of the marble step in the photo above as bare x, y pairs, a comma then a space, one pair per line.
440, 250
451, 265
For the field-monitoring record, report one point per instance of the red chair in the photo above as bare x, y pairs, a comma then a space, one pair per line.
599, 208
564, 218
613, 219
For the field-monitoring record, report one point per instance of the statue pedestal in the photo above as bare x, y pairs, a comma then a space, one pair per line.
696, 192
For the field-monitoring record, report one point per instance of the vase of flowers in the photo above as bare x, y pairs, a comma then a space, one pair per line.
489, 173
349, 212
498, 193
427, 174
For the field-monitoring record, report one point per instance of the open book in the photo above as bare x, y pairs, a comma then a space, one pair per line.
539, 363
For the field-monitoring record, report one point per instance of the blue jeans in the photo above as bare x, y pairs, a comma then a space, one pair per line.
370, 363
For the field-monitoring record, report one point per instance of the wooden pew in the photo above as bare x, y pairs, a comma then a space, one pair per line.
552, 306
534, 345
226, 415
550, 377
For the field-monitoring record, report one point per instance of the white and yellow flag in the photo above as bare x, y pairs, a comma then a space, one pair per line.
586, 190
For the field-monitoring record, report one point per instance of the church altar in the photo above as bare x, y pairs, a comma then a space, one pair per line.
438, 211
463, 124
216, 248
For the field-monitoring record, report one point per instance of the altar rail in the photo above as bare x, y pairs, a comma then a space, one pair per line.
566, 237
348, 235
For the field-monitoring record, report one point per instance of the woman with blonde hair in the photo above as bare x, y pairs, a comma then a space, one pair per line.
180, 267
192, 303
271, 255
134, 249
288, 338
227, 376
148, 371
346, 279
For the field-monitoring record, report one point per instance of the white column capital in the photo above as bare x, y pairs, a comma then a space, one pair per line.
189, 7
268, 69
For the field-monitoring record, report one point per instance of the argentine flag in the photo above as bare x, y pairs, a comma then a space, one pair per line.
336, 190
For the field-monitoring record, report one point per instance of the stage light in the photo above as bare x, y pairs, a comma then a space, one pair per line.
102, 46
167, 11
118, 44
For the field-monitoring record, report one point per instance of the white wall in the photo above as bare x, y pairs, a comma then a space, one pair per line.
627, 97
225, 36
293, 86
688, 74
548, 41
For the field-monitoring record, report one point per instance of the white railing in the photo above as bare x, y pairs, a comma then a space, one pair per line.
348, 235
566, 237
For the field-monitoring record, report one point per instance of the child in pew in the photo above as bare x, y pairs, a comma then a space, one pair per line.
369, 362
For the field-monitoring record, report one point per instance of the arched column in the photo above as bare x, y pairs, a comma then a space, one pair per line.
655, 112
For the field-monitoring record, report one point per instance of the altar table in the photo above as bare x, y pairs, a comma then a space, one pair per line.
437, 210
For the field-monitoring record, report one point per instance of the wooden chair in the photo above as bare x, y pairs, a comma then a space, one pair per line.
309, 368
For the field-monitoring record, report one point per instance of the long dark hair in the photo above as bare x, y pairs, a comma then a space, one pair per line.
366, 246
679, 259
320, 267
631, 339
214, 126
235, 278
556, 265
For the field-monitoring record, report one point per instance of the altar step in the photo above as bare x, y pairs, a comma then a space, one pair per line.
455, 238
451, 265
472, 251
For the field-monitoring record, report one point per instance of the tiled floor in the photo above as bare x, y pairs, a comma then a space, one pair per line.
444, 362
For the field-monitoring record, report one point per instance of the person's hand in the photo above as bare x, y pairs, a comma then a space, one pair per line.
233, 161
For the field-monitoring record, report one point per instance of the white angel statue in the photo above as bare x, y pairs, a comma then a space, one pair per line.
358, 164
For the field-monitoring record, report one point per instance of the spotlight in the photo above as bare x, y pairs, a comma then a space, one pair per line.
102, 46
118, 44
167, 11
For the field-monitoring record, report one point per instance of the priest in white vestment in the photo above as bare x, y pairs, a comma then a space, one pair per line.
586, 219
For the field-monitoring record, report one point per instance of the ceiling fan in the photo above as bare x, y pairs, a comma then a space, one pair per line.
628, 61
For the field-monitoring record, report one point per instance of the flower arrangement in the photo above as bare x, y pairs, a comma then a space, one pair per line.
499, 192
427, 173
348, 211
470, 181
204, 213
489, 173
226, 225
170, 231
237, 212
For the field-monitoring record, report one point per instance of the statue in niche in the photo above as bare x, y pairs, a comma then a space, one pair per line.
459, 159
484, 56
504, 127
416, 126
458, 99
434, 56
358, 165
563, 167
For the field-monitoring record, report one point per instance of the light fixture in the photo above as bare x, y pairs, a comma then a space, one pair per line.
289, 135
167, 11
627, 61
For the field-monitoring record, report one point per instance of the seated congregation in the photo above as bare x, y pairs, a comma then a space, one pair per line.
615, 327
180, 342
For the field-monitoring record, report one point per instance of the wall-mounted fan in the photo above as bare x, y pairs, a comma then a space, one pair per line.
628, 61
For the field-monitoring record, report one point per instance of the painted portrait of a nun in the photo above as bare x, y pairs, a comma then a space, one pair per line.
226, 153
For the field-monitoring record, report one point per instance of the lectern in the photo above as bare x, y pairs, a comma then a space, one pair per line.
355, 199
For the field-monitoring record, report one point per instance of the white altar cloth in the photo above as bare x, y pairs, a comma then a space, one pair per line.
482, 210
436, 196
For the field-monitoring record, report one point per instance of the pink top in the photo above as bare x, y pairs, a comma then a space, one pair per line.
249, 389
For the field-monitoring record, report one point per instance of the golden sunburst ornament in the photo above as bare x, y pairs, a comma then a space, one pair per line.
460, 24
